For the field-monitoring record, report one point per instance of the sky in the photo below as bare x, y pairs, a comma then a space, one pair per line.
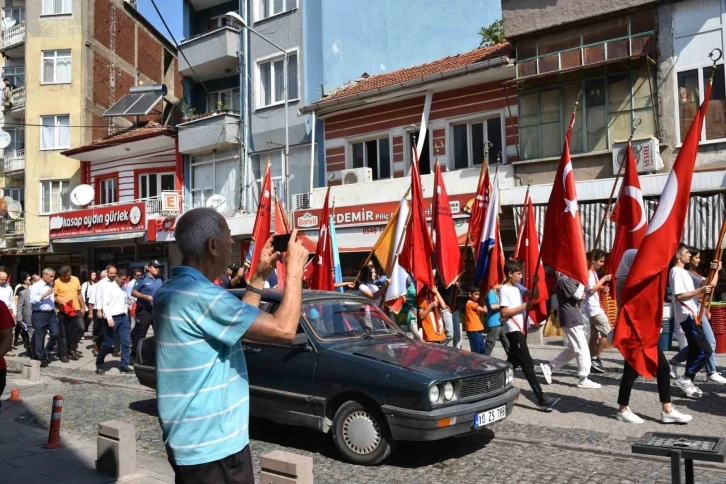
172, 12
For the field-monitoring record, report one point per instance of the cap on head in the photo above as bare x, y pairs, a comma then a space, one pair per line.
156, 263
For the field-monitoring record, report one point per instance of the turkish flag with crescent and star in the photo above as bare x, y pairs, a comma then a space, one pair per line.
563, 244
322, 278
261, 229
641, 313
629, 215
479, 211
448, 254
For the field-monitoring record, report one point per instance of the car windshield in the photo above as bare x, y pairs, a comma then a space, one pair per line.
340, 318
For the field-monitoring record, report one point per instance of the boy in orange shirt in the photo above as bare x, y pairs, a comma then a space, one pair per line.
472, 321
433, 331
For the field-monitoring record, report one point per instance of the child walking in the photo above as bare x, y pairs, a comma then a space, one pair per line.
494, 322
472, 321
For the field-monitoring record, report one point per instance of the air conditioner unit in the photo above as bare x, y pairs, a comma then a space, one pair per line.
357, 175
301, 201
646, 152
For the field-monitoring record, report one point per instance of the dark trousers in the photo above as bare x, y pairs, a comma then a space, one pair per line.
699, 350
519, 357
44, 322
233, 469
630, 375
121, 328
476, 341
3, 381
71, 332
496, 333
144, 319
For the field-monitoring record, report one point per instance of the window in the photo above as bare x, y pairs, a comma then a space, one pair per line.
56, 67
604, 116
215, 174
374, 154
424, 161
17, 194
16, 13
218, 22
268, 8
470, 138
691, 84
152, 184
57, 7
54, 196
271, 90
16, 75
55, 132
17, 139
106, 191
229, 99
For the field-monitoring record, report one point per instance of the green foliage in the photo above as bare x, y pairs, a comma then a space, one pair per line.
493, 34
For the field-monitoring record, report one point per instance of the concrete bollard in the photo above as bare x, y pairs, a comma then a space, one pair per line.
278, 467
116, 448
31, 370
535, 335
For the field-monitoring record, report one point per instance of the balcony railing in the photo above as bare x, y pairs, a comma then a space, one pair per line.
14, 161
14, 228
13, 36
154, 206
17, 99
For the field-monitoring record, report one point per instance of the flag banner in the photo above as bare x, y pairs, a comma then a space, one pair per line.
281, 227
322, 278
448, 255
520, 227
261, 229
398, 277
479, 210
530, 256
641, 314
337, 271
490, 233
385, 247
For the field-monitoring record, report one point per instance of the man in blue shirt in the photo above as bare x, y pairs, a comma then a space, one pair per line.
144, 291
202, 383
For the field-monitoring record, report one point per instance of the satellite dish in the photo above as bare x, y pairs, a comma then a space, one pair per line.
15, 210
215, 201
9, 22
82, 195
5, 139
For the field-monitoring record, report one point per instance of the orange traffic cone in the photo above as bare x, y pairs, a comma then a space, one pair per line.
15, 395
54, 441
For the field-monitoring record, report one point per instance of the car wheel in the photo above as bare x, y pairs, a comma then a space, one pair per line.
361, 435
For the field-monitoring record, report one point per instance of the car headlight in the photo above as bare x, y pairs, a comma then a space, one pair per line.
448, 391
509, 376
434, 394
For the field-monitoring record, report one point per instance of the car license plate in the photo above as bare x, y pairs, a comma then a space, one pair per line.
490, 416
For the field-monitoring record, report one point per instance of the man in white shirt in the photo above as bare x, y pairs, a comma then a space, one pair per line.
116, 315
686, 313
44, 318
591, 307
100, 321
7, 294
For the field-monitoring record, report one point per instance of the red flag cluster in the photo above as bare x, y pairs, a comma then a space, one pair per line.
261, 229
448, 255
322, 278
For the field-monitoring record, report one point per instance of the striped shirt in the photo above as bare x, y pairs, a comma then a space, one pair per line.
202, 386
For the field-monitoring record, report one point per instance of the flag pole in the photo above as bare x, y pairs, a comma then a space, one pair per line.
522, 221
636, 123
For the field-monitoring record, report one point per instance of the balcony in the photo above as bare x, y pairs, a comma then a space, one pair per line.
16, 102
211, 55
154, 207
207, 133
13, 40
14, 162
15, 228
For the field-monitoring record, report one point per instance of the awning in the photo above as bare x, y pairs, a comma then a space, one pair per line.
703, 221
98, 238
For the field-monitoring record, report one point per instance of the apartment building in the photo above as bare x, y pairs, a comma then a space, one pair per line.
70, 61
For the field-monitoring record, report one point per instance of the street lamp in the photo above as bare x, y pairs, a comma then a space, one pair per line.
236, 18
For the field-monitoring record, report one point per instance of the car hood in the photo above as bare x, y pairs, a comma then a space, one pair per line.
434, 361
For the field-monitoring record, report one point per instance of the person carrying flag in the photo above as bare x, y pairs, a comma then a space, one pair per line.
591, 307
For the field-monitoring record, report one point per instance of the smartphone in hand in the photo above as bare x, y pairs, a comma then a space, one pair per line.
280, 242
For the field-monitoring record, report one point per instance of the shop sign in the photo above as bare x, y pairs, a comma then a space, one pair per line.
164, 228
129, 217
376, 213
169, 202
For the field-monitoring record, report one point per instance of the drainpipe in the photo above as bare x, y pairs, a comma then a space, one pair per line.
244, 119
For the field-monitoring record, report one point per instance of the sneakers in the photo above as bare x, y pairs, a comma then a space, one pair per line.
10, 353
629, 417
547, 372
126, 369
674, 369
715, 378
100, 371
64, 359
44, 363
72, 356
674, 417
548, 404
587, 383
596, 366
685, 384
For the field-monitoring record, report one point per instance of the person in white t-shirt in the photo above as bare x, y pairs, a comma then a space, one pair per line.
686, 313
512, 316
591, 307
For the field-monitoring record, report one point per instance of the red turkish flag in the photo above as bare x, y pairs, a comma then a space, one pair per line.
448, 256
629, 215
281, 228
563, 245
641, 313
322, 278
261, 230
416, 255
479, 211
530, 257
522, 223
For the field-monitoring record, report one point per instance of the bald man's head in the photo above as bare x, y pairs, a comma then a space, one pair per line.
3, 278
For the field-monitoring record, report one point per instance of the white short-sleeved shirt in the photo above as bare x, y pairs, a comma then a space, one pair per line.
510, 297
591, 305
681, 282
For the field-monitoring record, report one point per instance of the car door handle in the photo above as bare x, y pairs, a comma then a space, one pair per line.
250, 349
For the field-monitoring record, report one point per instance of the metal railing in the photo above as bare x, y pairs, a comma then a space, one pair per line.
15, 227
14, 161
13, 36
17, 99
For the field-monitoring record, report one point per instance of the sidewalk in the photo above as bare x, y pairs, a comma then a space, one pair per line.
24, 461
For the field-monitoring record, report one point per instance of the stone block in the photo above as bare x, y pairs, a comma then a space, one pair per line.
116, 448
31, 370
535, 336
279, 467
